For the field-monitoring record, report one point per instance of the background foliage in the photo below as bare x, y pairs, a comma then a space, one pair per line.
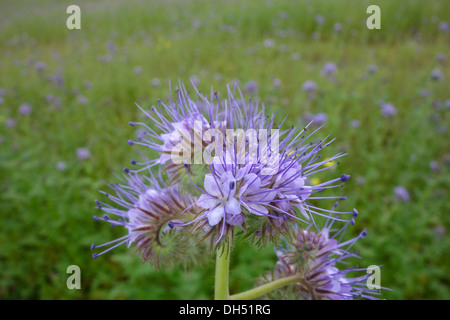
82, 86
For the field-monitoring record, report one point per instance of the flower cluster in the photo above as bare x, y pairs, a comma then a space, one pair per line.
315, 256
223, 167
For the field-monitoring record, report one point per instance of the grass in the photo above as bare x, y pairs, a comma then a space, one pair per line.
47, 214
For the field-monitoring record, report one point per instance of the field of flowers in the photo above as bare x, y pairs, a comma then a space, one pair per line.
67, 97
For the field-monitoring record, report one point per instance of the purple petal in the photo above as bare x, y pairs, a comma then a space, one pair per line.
233, 206
207, 202
215, 215
211, 186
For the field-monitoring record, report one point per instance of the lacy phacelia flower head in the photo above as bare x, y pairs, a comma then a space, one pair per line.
242, 168
316, 257
148, 211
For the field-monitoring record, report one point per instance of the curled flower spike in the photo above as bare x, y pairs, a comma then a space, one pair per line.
148, 211
317, 257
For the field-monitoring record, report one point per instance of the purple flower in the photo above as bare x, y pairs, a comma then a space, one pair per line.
337, 27
441, 57
329, 69
355, 124
320, 19
401, 193
58, 79
373, 68
447, 103
295, 56
444, 26
256, 185
111, 47
425, 93
82, 99
25, 109
309, 86
83, 154
251, 87
276, 82
87, 85
434, 165
138, 70
147, 211
40, 66
269, 43
388, 109
437, 75
155, 82
317, 257
61, 166
242, 171
320, 118
9, 123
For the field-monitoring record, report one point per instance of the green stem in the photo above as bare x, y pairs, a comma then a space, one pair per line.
221, 291
265, 288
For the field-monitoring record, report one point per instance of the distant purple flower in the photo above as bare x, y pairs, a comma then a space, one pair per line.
138, 70
276, 83
309, 86
106, 58
441, 57
61, 166
388, 109
424, 93
58, 79
1, 100
25, 109
447, 103
337, 27
434, 165
440, 231
329, 69
49, 98
155, 82
9, 123
295, 56
373, 68
111, 47
402, 193
2, 92
82, 99
83, 154
444, 27
355, 124
87, 85
437, 75
320, 118
251, 87
269, 43
40, 66
360, 180
320, 19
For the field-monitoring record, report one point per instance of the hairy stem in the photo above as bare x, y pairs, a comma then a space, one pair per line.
221, 291
265, 288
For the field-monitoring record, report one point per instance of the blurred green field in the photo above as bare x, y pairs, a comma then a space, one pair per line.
82, 86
